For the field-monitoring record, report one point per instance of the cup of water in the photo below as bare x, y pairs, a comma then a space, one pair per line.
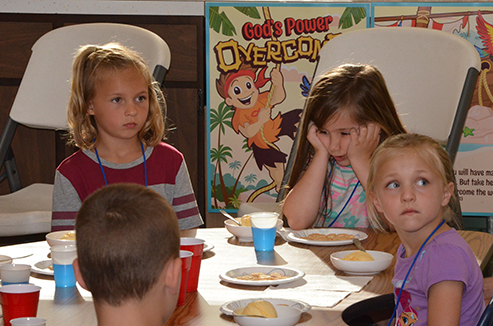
264, 226
63, 271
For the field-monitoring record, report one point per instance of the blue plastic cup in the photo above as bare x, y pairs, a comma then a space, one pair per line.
64, 275
63, 271
264, 226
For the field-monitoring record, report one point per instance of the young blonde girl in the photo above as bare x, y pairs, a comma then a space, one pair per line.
437, 280
116, 116
348, 113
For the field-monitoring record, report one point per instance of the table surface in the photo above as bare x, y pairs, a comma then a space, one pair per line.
73, 306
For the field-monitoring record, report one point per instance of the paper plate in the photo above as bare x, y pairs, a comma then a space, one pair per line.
297, 236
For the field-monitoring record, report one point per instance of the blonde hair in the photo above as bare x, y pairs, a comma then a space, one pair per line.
435, 157
359, 90
90, 65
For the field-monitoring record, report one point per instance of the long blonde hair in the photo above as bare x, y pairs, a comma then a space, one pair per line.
359, 90
90, 64
432, 153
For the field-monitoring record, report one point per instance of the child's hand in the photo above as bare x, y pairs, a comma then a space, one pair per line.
363, 142
313, 138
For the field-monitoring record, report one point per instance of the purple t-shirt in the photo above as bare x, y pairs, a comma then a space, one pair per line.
447, 257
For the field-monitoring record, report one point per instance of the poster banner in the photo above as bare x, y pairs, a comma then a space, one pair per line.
260, 59
474, 22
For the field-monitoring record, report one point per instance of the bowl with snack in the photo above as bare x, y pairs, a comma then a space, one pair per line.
59, 238
265, 311
244, 231
357, 262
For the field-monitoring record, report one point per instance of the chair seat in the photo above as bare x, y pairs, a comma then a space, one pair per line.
27, 211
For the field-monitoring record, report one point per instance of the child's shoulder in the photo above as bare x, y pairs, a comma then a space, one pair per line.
75, 159
164, 151
164, 148
451, 241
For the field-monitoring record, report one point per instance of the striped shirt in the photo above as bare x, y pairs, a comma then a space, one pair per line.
80, 175
355, 214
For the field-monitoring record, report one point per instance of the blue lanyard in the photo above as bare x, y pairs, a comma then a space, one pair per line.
145, 164
347, 202
409, 271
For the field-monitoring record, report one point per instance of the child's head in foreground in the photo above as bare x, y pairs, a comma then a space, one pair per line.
91, 67
127, 238
410, 175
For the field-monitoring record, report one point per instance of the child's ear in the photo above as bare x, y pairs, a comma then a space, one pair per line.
228, 101
375, 202
78, 275
447, 193
173, 275
90, 108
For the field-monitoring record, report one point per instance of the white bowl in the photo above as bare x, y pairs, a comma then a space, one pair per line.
286, 316
243, 233
54, 239
288, 312
382, 261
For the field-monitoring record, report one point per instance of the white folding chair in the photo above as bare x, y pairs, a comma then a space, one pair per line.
430, 75
41, 102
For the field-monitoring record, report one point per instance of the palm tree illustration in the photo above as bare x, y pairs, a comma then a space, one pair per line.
235, 166
251, 178
220, 118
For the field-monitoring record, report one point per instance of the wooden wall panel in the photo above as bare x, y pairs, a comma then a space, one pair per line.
16, 40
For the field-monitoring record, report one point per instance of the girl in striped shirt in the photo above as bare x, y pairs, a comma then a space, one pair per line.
348, 114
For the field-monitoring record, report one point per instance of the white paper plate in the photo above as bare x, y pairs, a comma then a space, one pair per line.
208, 247
231, 306
297, 236
42, 267
231, 275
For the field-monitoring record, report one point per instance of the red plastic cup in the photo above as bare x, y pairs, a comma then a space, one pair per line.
196, 246
186, 262
19, 300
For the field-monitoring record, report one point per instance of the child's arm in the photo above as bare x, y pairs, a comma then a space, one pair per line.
361, 146
302, 203
444, 303
279, 93
250, 130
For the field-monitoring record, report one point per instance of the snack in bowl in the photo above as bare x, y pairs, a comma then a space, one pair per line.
359, 256
245, 220
59, 238
70, 235
382, 261
259, 308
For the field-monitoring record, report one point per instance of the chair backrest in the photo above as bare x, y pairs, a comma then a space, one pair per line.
487, 316
41, 101
430, 75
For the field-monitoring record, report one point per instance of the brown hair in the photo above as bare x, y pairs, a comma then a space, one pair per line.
90, 65
432, 153
126, 233
359, 90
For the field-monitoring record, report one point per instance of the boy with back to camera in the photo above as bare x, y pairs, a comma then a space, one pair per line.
131, 269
